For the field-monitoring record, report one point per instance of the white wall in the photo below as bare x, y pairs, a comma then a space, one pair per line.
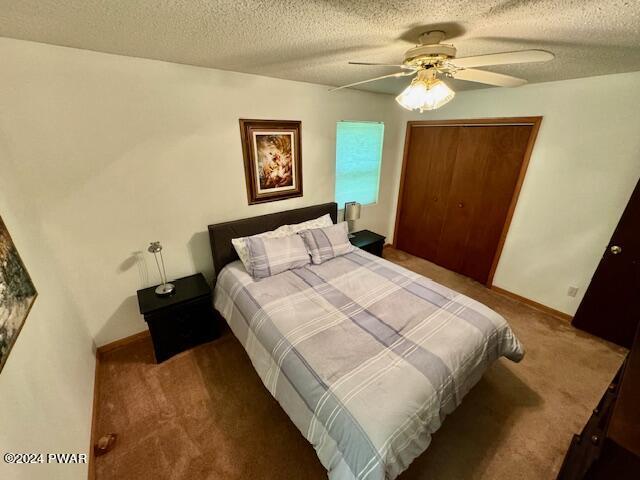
119, 151
584, 167
46, 385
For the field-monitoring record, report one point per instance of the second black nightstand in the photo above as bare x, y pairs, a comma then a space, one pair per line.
179, 321
368, 241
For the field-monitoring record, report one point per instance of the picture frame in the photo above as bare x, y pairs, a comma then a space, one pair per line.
17, 294
272, 159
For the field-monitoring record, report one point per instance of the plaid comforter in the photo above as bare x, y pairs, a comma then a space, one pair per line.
367, 358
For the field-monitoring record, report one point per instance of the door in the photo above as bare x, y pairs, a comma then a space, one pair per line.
610, 308
485, 173
427, 179
459, 185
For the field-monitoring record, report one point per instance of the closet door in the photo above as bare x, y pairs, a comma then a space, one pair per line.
487, 167
459, 184
427, 179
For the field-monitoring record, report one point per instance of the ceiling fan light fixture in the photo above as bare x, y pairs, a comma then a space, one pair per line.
425, 92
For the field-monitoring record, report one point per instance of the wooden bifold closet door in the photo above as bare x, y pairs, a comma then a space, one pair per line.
459, 185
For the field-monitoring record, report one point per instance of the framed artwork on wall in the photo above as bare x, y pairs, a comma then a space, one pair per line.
272, 159
17, 294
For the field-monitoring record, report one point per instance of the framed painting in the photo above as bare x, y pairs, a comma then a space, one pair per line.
272, 159
17, 294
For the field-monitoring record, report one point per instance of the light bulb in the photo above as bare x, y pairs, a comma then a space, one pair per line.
425, 93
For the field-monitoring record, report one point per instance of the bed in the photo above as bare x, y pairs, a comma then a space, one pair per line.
366, 358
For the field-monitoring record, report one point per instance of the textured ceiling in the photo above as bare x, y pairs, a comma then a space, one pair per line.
312, 40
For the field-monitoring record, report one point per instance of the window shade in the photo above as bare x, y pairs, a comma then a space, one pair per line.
358, 157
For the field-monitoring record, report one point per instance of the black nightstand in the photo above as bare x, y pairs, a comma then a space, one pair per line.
368, 241
179, 321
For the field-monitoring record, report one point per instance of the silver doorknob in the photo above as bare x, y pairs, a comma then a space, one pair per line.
615, 249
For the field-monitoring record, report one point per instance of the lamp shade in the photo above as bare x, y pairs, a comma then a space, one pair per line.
425, 93
351, 211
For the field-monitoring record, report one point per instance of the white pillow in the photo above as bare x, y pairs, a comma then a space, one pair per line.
320, 222
240, 244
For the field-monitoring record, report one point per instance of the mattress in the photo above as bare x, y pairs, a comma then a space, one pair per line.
366, 358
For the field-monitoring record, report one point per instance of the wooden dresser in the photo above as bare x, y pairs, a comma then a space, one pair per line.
609, 445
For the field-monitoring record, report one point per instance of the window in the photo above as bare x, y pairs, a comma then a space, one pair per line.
358, 157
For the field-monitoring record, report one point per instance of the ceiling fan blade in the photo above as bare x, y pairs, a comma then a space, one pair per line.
397, 74
523, 56
490, 78
406, 67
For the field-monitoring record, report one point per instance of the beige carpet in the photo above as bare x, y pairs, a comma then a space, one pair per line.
204, 414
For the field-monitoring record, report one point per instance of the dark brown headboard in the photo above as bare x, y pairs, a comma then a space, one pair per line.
220, 234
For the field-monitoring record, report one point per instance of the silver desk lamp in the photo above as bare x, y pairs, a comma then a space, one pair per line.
165, 288
351, 213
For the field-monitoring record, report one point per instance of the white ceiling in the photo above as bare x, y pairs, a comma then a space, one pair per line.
311, 40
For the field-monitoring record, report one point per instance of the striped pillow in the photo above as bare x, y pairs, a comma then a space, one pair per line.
270, 256
326, 243
240, 244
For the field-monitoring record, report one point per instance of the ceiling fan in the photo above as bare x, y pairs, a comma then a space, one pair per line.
432, 59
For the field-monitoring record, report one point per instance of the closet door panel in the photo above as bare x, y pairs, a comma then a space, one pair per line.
427, 179
464, 196
504, 151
